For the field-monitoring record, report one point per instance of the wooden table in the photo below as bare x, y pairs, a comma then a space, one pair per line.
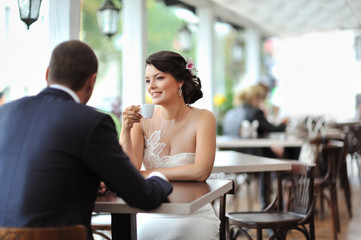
273, 140
344, 122
186, 198
236, 162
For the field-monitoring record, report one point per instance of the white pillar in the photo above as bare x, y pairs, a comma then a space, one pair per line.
253, 57
64, 21
206, 55
219, 79
134, 50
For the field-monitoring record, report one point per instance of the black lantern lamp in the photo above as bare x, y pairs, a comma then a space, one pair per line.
108, 18
185, 38
29, 11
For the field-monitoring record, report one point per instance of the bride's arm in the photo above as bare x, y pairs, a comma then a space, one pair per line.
131, 136
204, 153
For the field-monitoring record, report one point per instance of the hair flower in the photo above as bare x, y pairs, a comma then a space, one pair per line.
191, 66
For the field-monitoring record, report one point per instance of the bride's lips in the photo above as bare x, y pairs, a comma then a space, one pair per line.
156, 94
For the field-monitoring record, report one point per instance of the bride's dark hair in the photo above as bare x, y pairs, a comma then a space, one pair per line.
175, 64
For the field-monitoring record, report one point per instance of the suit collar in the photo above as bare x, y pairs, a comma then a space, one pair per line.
56, 93
67, 90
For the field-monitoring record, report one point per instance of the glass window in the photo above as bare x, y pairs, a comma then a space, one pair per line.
106, 95
163, 26
229, 65
24, 53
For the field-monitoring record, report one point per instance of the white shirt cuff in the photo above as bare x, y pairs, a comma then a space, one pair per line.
158, 174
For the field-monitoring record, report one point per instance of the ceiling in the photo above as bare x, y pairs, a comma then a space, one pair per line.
287, 17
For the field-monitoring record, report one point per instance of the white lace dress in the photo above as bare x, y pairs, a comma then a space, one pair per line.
171, 143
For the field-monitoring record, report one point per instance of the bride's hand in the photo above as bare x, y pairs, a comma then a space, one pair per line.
131, 115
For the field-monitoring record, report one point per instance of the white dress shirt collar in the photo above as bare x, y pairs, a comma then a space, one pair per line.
67, 90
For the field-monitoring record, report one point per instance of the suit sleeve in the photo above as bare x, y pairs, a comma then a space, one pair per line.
106, 159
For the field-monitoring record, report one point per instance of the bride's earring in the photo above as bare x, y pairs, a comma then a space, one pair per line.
180, 91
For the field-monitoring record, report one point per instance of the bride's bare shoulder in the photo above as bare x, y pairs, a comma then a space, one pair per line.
204, 114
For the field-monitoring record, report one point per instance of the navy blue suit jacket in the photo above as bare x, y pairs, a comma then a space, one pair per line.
53, 154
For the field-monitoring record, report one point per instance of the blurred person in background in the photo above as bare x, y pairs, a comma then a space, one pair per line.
248, 105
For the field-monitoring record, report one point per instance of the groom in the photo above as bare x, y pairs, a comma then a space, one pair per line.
54, 151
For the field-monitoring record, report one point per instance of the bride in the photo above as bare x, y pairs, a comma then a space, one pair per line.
178, 141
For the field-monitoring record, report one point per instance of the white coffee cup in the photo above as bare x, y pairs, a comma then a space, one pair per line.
147, 110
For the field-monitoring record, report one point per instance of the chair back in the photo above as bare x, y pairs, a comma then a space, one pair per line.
300, 184
298, 188
77, 232
352, 138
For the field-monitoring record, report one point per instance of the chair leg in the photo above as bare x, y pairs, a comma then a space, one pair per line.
335, 197
236, 194
222, 211
236, 197
333, 213
233, 232
347, 193
346, 186
103, 235
259, 234
321, 189
280, 235
234, 235
249, 198
312, 227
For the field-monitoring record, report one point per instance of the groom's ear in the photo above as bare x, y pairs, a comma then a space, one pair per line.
91, 81
47, 75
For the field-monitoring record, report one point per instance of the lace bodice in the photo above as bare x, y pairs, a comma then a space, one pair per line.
153, 149
170, 143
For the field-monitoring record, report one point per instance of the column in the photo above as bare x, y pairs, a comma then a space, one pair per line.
205, 55
134, 50
64, 21
253, 57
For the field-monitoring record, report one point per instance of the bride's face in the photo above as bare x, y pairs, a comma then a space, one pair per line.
162, 87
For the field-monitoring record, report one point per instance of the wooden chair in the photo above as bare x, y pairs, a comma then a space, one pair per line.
77, 232
342, 169
300, 213
100, 223
326, 185
353, 147
357, 155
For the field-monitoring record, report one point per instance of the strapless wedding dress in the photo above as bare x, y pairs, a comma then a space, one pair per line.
201, 225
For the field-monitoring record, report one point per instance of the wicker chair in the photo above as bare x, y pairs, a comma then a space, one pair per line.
274, 217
